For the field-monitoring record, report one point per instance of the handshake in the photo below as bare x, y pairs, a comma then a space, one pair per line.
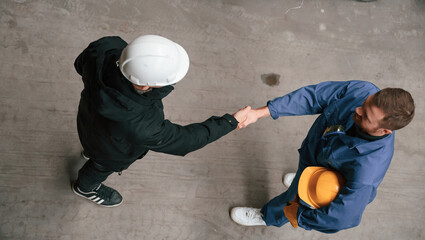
245, 116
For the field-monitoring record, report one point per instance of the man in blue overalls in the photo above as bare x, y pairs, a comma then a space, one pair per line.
354, 134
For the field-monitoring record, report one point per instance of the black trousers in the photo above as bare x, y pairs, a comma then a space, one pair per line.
94, 173
91, 175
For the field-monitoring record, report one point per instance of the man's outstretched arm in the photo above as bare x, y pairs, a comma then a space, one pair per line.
180, 140
308, 100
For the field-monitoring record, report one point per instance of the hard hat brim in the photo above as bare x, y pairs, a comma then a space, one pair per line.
184, 64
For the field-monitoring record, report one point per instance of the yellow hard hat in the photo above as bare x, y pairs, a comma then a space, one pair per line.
319, 186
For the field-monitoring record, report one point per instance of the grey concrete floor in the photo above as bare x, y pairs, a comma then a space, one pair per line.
232, 45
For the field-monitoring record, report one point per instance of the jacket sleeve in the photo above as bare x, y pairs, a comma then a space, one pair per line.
180, 140
314, 99
344, 212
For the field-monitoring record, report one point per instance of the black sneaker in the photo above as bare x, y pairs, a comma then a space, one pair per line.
102, 195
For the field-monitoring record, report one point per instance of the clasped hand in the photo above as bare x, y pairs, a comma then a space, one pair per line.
246, 116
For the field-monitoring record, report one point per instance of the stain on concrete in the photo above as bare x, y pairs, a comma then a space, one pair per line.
271, 79
12, 23
379, 76
7, 18
420, 4
392, 69
64, 4
22, 45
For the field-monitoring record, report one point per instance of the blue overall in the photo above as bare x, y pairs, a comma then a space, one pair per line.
363, 163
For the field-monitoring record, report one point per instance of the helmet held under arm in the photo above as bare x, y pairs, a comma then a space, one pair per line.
319, 186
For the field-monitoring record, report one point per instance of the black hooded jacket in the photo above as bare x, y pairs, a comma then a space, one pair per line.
116, 125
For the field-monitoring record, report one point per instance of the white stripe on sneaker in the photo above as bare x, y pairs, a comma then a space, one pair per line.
82, 191
101, 201
95, 200
91, 198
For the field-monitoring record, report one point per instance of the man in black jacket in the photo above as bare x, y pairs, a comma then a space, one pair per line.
120, 115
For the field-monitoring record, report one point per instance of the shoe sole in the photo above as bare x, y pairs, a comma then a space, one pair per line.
84, 156
116, 205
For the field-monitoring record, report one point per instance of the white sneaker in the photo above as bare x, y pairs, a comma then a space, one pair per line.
247, 216
288, 178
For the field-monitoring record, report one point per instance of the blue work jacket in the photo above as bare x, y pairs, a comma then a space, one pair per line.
363, 163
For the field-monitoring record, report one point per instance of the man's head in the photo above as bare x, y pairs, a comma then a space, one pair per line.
153, 61
387, 110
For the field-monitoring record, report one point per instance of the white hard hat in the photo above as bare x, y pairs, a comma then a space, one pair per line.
152, 60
